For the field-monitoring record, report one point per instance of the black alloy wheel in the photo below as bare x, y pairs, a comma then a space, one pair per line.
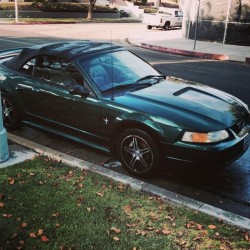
11, 118
138, 152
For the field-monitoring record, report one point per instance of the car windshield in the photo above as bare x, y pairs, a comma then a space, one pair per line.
119, 71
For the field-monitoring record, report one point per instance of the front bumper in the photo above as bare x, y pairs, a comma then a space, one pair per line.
217, 154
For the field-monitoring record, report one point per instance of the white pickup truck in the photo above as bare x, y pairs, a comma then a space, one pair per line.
164, 18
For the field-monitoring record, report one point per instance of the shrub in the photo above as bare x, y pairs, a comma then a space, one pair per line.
72, 7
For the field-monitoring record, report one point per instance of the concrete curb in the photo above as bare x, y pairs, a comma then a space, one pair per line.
186, 52
168, 196
213, 56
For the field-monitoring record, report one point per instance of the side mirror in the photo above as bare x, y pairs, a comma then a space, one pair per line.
78, 90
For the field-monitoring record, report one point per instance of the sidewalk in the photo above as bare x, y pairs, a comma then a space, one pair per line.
171, 41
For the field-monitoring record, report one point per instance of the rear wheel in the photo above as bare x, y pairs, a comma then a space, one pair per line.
166, 26
11, 116
138, 152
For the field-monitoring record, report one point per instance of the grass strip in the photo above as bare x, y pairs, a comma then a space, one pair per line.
48, 205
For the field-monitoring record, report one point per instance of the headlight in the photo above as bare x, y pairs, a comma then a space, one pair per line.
210, 137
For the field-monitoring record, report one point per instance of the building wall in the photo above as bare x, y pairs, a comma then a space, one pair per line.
226, 21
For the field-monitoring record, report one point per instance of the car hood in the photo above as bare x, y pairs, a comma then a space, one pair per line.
189, 105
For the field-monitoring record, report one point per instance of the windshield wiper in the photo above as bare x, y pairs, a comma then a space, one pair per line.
122, 86
149, 77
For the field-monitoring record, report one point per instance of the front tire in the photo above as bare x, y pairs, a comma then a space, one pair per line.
149, 27
11, 116
138, 152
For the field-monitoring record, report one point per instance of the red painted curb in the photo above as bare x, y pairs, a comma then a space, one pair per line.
185, 52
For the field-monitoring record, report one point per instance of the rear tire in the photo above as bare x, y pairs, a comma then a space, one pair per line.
11, 115
138, 152
166, 26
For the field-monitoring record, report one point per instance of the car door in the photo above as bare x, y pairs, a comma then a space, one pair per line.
178, 18
47, 98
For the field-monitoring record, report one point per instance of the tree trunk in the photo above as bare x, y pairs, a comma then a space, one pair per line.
91, 8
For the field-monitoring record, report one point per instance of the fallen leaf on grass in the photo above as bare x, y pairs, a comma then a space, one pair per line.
116, 239
131, 225
32, 235
150, 228
127, 208
80, 185
100, 194
141, 232
11, 181
171, 218
166, 232
212, 227
199, 226
7, 215
70, 172
40, 232
1, 205
247, 237
180, 234
44, 238
197, 238
190, 224
183, 242
121, 188
116, 230
24, 224
56, 214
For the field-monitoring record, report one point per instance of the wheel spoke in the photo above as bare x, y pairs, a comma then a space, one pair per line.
129, 150
134, 143
6, 110
133, 161
145, 151
143, 162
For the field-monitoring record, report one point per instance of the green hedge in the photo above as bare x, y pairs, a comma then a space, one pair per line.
49, 6
72, 7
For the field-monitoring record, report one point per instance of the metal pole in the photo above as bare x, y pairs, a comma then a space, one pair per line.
4, 151
228, 12
196, 26
16, 10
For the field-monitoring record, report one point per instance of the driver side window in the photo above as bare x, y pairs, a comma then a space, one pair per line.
55, 71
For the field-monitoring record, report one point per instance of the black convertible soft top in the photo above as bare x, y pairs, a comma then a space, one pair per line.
66, 50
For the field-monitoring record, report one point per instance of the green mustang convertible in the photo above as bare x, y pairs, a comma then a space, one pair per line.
106, 97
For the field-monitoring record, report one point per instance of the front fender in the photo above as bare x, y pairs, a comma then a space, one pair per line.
163, 131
